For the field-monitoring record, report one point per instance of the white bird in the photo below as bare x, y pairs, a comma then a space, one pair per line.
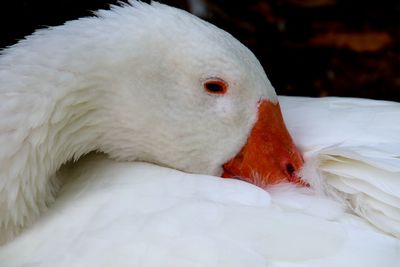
135, 83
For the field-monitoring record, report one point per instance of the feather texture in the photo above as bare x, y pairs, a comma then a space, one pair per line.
352, 152
125, 214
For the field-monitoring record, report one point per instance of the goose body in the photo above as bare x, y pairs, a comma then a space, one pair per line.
124, 214
142, 89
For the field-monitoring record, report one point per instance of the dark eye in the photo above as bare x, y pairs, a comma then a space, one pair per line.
216, 86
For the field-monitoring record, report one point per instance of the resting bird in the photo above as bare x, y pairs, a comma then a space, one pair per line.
155, 84
136, 84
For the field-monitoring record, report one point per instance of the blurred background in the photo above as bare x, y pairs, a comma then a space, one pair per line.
307, 47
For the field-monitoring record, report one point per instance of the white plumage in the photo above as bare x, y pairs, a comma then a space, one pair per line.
111, 213
130, 83
352, 151
125, 214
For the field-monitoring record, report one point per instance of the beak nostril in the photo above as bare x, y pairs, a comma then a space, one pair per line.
290, 169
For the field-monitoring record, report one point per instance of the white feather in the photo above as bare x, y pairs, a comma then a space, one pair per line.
352, 152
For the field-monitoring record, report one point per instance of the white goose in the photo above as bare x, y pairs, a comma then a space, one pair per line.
134, 83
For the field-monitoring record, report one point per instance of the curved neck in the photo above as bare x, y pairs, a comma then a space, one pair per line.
55, 89
44, 132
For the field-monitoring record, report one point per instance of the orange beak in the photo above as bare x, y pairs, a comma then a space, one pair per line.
269, 156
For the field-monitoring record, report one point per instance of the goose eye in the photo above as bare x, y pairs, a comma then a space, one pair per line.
216, 86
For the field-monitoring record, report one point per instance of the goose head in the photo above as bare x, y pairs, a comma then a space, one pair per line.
137, 82
193, 98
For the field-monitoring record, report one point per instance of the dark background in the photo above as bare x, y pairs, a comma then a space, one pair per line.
307, 47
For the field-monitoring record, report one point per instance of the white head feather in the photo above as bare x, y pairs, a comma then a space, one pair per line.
128, 82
